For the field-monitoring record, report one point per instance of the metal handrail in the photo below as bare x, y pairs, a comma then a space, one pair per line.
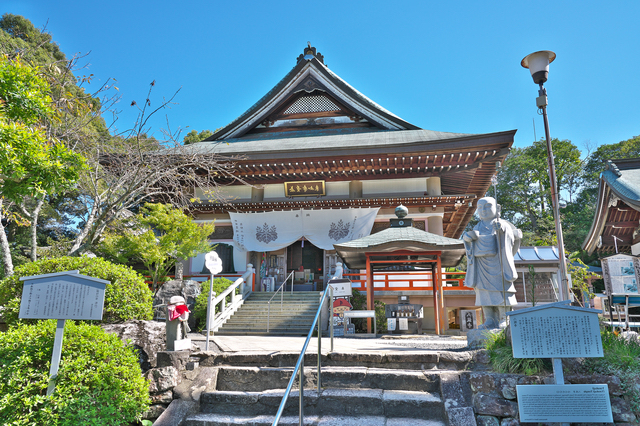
299, 368
281, 297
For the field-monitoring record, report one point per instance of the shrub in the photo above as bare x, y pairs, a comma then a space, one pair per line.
621, 359
127, 297
219, 285
502, 360
99, 381
359, 302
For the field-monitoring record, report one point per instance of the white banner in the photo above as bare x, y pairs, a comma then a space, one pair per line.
270, 231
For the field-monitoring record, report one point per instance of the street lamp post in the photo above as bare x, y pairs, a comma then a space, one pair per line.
538, 64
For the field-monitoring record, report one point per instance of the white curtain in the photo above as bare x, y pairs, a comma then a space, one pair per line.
270, 231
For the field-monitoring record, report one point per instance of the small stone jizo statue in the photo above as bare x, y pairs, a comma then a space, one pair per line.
177, 317
491, 271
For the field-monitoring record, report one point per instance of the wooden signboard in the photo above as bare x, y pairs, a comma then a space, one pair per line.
556, 330
559, 330
315, 188
61, 296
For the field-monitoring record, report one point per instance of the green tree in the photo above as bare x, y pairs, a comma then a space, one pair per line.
31, 162
524, 190
158, 236
74, 116
595, 163
193, 136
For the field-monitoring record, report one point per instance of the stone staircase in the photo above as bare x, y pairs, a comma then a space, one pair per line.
370, 391
293, 319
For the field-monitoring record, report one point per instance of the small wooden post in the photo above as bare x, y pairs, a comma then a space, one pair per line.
436, 310
370, 294
55, 358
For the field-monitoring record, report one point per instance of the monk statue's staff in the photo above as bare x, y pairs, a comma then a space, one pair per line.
494, 180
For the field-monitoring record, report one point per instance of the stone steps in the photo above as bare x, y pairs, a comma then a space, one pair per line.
427, 361
247, 395
311, 420
259, 379
292, 332
386, 389
330, 401
292, 317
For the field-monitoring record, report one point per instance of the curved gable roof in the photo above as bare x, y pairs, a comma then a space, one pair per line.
310, 74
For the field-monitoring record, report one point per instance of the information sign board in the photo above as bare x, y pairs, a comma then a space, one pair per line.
556, 330
564, 403
391, 324
621, 274
63, 295
341, 287
403, 324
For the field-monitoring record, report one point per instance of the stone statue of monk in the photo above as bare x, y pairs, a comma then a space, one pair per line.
490, 269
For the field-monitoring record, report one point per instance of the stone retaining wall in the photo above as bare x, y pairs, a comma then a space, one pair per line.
494, 397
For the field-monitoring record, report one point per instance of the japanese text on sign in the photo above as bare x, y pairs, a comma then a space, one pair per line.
304, 189
62, 297
556, 333
564, 403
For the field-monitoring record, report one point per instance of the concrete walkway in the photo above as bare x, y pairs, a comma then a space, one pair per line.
286, 344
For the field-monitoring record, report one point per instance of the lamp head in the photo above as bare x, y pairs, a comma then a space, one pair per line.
538, 64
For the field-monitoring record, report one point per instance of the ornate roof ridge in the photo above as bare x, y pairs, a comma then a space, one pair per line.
310, 62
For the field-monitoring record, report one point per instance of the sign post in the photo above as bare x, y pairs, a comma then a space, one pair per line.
61, 296
559, 330
214, 264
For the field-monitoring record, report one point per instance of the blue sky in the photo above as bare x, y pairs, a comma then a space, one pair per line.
446, 66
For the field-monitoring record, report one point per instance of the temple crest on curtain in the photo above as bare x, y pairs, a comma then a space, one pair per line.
338, 231
266, 234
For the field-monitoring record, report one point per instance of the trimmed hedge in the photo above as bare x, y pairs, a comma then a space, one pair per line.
99, 381
219, 285
127, 297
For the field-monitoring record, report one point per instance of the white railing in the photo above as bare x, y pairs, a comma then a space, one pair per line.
226, 310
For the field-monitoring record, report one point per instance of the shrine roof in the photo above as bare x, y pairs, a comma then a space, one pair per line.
310, 75
396, 239
617, 208
360, 142
623, 177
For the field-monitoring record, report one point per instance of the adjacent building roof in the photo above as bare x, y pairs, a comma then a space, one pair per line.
533, 255
617, 217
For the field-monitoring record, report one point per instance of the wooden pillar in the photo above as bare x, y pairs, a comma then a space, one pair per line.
370, 304
441, 313
436, 293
